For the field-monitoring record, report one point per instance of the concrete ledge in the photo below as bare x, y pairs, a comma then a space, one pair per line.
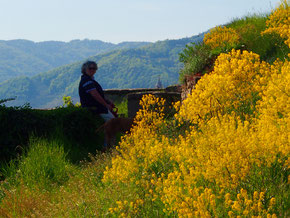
134, 101
117, 95
128, 91
170, 94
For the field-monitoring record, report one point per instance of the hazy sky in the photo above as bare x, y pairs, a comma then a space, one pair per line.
119, 20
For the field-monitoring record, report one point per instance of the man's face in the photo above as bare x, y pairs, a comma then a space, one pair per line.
91, 70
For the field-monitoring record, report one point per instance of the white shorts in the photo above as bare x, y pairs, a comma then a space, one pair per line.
107, 116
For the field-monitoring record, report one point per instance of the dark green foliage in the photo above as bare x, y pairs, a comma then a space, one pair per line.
200, 58
27, 58
197, 58
127, 68
75, 127
6, 100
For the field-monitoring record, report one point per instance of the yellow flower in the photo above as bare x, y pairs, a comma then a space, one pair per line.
272, 202
236, 78
279, 22
221, 37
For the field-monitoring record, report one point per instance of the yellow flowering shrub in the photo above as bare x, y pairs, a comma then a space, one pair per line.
133, 150
245, 205
273, 123
238, 118
279, 21
236, 79
189, 173
125, 208
221, 37
142, 153
221, 151
219, 155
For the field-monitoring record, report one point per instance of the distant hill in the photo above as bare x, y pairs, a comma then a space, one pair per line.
27, 58
126, 68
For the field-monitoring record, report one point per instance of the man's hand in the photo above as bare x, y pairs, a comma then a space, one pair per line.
96, 95
109, 101
110, 108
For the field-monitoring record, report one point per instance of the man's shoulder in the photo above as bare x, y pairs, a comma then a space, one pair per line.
85, 80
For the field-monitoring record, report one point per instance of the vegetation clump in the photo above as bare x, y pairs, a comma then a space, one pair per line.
74, 126
221, 37
278, 22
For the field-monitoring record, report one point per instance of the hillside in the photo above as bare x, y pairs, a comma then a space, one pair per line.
27, 58
245, 34
223, 152
126, 68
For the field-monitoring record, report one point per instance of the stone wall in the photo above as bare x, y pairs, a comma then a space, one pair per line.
134, 99
170, 94
189, 85
117, 95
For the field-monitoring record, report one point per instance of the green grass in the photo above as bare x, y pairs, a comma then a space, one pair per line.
43, 177
268, 46
43, 165
122, 107
197, 58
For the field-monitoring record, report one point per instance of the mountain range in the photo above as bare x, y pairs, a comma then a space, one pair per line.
27, 58
138, 67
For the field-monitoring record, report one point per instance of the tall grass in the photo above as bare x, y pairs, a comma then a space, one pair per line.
43, 165
44, 183
268, 46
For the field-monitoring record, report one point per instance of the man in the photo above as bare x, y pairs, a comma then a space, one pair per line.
91, 93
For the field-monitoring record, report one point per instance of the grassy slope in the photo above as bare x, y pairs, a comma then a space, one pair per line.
200, 59
268, 46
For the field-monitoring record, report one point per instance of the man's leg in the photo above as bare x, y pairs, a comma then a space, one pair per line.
107, 117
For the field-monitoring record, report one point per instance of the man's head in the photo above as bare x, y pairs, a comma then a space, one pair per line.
89, 68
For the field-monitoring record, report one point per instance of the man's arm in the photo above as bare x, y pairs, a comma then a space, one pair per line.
96, 95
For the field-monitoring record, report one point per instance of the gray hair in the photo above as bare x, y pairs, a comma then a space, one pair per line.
87, 64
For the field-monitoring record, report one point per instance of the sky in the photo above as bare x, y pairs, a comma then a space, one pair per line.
119, 20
